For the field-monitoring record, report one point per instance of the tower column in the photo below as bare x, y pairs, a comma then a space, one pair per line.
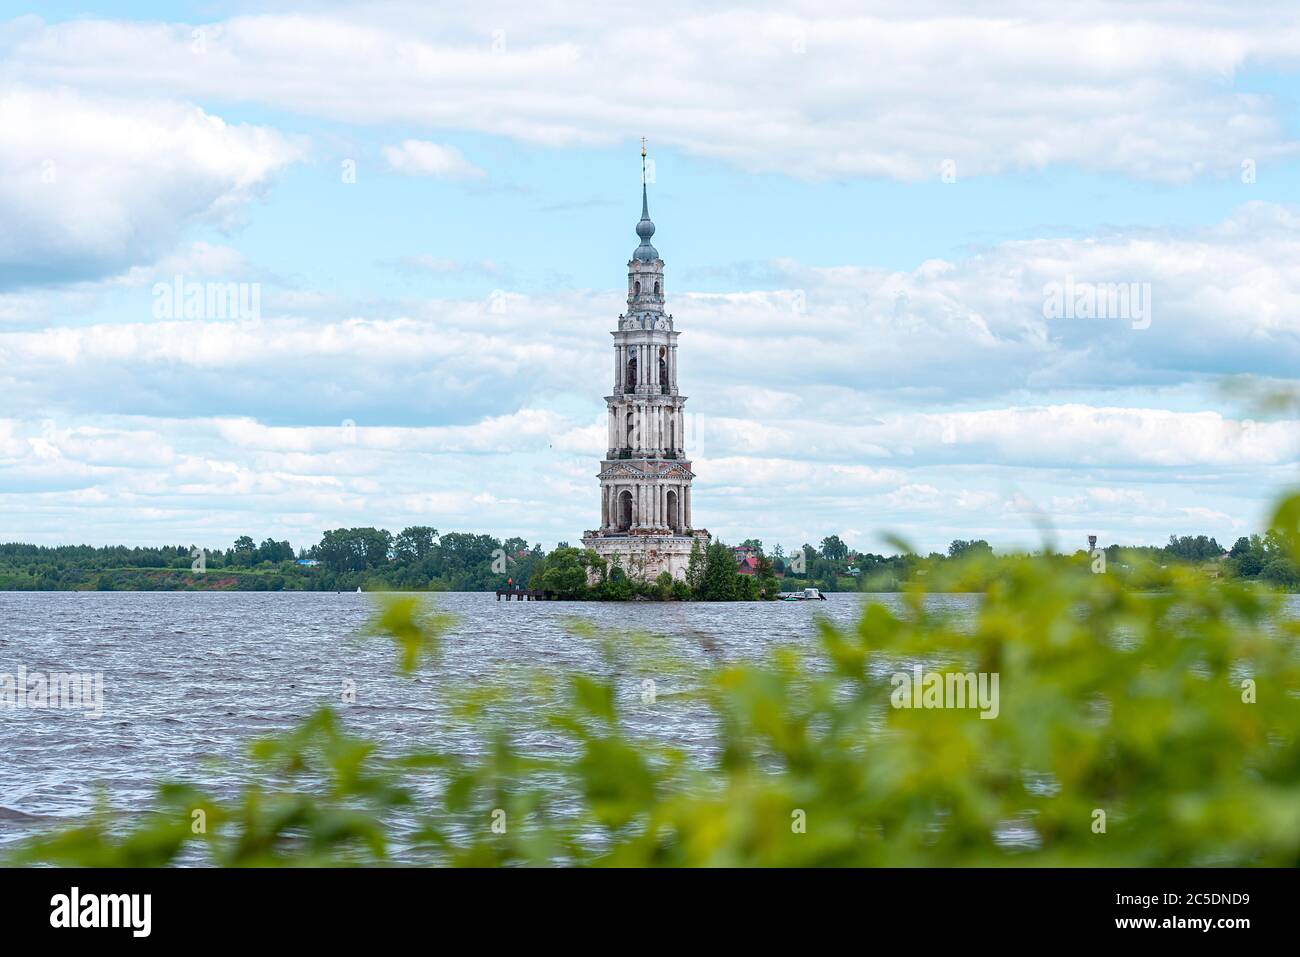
686, 496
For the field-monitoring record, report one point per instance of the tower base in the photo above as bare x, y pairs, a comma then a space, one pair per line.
645, 557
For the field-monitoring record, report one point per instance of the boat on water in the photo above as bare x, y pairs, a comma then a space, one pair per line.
358, 589
808, 594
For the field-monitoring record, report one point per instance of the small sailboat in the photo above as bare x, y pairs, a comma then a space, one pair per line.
358, 589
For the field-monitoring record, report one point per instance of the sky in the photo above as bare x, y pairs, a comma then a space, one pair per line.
872, 217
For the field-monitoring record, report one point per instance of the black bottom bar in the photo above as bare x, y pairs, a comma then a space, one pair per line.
304, 907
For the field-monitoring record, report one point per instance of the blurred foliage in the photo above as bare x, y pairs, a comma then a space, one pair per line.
1168, 702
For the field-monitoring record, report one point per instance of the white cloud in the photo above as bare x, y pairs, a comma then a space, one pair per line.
96, 184
1145, 92
532, 473
1224, 299
422, 158
851, 378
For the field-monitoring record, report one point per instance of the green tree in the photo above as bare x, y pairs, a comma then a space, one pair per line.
245, 551
721, 580
1192, 549
273, 551
354, 549
616, 586
465, 561
976, 546
564, 574
834, 549
765, 579
695, 568
415, 543
1248, 556
1280, 571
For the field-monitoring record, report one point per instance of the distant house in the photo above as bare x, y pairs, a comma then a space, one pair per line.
309, 562
746, 559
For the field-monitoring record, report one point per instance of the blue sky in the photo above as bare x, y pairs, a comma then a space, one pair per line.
864, 338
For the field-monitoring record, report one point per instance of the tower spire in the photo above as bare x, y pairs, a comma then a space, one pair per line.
645, 229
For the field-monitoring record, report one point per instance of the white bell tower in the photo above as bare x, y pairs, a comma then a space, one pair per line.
645, 478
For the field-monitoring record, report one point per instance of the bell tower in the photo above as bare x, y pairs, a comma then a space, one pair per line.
645, 478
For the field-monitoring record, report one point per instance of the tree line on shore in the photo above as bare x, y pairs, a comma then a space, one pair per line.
419, 558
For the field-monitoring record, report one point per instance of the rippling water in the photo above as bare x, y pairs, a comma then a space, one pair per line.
191, 677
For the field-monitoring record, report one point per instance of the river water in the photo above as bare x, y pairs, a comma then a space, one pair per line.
190, 678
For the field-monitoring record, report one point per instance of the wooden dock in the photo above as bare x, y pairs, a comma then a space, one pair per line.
524, 594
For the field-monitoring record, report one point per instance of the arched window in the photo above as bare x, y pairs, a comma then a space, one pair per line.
630, 382
656, 287
631, 430
625, 510
663, 370
636, 288
672, 510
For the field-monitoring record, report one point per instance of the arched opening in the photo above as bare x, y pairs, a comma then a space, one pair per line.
663, 370
656, 287
672, 511
636, 288
629, 382
672, 433
631, 431
625, 510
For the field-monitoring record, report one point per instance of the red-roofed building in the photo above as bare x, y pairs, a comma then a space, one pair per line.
746, 559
